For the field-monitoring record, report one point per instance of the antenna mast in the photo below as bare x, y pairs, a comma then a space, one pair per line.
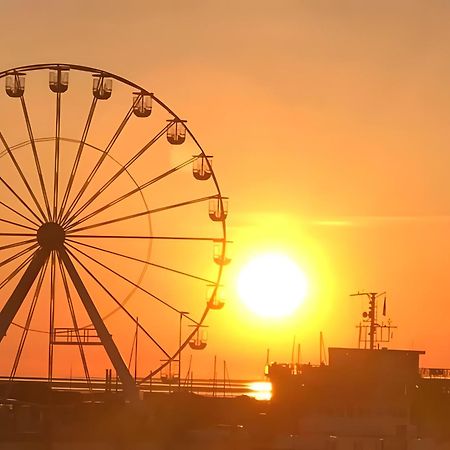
370, 320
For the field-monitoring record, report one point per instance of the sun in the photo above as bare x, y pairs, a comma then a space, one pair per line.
272, 285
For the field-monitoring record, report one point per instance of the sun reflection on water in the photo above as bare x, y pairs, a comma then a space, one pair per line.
260, 390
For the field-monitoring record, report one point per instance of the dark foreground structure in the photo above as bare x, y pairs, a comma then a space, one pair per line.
364, 399
361, 400
42, 419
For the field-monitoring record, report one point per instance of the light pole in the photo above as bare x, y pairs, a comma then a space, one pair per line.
182, 313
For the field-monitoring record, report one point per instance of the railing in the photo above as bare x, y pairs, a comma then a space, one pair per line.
72, 336
434, 373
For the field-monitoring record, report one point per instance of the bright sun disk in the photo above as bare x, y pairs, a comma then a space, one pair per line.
272, 285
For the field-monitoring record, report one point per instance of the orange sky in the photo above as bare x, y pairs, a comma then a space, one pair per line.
328, 125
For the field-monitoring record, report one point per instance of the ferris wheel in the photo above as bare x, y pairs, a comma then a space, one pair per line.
112, 223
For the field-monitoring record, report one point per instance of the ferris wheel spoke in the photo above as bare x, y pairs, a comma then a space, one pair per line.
115, 299
56, 167
142, 213
36, 157
119, 236
98, 165
16, 244
18, 213
17, 224
10, 189
18, 255
74, 322
78, 157
26, 327
119, 172
137, 286
132, 192
18, 234
169, 269
21, 174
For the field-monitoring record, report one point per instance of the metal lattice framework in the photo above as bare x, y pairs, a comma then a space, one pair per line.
104, 230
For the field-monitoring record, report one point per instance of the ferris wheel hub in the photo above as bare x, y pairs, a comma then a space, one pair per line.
51, 236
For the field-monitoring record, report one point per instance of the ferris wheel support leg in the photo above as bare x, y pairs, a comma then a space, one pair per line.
16, 299
129, 386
